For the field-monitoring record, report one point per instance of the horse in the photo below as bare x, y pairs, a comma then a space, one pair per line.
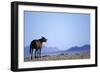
36, 44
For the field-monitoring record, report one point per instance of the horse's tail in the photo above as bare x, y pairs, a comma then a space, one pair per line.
30, 50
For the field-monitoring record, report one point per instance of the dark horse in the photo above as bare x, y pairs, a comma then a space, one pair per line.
37, 45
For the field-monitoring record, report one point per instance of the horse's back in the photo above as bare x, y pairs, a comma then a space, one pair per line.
36, 44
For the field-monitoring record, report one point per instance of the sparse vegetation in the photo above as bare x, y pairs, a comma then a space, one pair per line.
62, 56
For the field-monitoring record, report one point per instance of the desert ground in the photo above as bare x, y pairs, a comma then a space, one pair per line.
65, 56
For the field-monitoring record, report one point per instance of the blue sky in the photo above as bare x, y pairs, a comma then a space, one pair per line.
63, 30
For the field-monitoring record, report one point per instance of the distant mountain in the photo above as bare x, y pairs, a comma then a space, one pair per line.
44, 51
54, 50
79, 49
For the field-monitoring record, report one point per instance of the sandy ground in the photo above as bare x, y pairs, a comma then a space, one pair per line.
67, 56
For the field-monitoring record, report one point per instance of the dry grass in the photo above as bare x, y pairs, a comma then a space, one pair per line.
67, 56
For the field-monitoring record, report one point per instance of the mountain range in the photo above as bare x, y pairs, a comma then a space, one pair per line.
55, 50
44, 51
79, 49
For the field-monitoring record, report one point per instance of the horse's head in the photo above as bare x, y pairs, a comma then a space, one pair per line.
43, 39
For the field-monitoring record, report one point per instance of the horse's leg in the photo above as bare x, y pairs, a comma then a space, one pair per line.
40, 52
36, 53
31, 53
